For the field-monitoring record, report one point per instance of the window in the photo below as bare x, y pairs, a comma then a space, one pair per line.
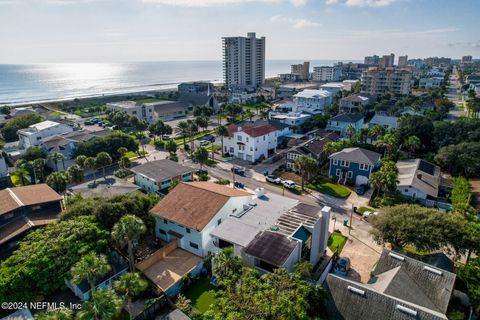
246, 139
406, 190
344, 163
338, 172
251, 148
335, 162
239, 138
219, 221
364, 167
350, 174
187, 229
165, 221
264, 138
162, 232
193, 245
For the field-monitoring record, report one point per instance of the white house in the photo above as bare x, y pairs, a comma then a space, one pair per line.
192, 210
333, 87
312, 101
32, 136
275, 232
252, 140
291, 119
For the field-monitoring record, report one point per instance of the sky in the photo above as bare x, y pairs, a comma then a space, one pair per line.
33, 31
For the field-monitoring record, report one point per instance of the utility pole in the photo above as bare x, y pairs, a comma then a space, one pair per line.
351, 218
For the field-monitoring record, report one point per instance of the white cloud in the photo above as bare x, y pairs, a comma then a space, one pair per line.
361, 3
330, 2
297, 23
214, 3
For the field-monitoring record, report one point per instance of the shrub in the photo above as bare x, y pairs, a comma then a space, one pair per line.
159, 144
203, 177
122, 173
223, 182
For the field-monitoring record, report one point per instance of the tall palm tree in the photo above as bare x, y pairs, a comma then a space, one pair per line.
39, 165
103, 305
91, 163
55, 314
76, 173
130, 285
201, 155
389, 143
376, 132
306, 166
128, 229
55, 157
192, 131
412, 144
23, 175
90, 267
103, 159
183, 129
350, 131
226, 264
222, 132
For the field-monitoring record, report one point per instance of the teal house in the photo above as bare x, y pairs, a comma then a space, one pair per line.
156, 176
341, 122
353, 165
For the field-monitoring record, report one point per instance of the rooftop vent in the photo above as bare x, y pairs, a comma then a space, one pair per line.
274, 228
396, 256
356, 291
432, 270
406, 310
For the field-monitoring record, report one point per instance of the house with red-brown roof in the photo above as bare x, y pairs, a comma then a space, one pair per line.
25, 208
252, 141
192, 210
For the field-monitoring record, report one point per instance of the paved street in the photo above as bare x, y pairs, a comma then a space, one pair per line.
452, 94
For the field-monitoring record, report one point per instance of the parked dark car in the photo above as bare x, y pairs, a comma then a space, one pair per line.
238, 184
208, 137
361, 189
201, 172
238, 170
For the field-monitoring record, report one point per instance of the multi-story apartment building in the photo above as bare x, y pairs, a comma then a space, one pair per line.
244, 60
302, 70
436, 61
402, 61
467, 59
312, 101
327, 73
376, 81
152, 111
387, 61
372, 60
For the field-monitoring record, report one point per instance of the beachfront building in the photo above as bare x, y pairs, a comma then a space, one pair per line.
327, 73
152, 111
33, 135
244, 60
312, 101
376, 81
251, 141
133, 109
332, 87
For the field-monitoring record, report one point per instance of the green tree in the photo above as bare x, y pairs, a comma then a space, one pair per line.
90, 267
122, 151
419, 126
227, 266
412, 144
91, 163
350, 131
55, 158
103, 160
389, 143
222, 132
173, 184
183, 129
171, 147
9, 130
129, 286
23, 175
103, 305
55, 314
130, 228
463, 158
124, 162
59, 181
39, 166
109, 144
385, 179
5, 110
33, 153
375, 132
201, 155
470, 276
184, 304
307, 167
45, 256
192, 131
76, 173
80, 160
202, 122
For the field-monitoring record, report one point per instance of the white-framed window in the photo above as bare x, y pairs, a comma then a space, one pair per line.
349, 174
364, 166
239, 138
246, 139
335, 162
338, 172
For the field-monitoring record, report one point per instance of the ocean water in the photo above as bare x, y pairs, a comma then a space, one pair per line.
21, 83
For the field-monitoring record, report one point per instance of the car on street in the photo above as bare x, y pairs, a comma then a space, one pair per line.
369, 214
204, 143
273, 179
238, 170
361, 189
342, 266
239, 184
166, 137
209, 138
201, 172
289, 184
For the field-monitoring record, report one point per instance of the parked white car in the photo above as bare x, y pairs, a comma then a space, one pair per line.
273, 179
289, 184
368, 214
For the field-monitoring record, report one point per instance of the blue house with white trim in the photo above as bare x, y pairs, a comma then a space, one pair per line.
341, 122
354, 165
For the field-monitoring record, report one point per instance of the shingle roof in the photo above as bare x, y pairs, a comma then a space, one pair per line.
420, 175
194, 204
355, 98
314, 146
254, 129
160, 170
357, 155
271, 247
13, 198
384, 120
347, 117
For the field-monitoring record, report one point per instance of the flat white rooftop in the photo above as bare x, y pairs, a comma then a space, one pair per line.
309, 93
39, 127
123, 104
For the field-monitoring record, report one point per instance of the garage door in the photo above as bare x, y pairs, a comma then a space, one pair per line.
361, 180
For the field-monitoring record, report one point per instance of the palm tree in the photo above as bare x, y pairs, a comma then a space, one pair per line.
306, 166
376, 132
76, 173
128, 229
389, 143
124, 162
59, 181
171, 147
192, 131
103, 159
183, 129
80, 160
55, 157
202, 122
103, 305
130, 285
55, 314
39, 165
90, 267
23, 175
226, 264
201, 155
183, 304
91, 163
412, 144
222, 132
350, 131
122, 151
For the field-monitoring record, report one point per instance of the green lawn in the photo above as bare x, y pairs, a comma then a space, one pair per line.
362, 210
332, 189
131, 154
214, 147
336, 242
16, 181
200, 294
148, 100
